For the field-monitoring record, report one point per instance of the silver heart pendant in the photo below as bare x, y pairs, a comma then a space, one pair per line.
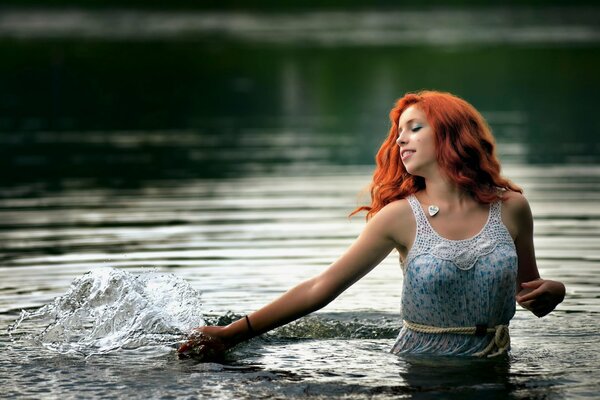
433, 210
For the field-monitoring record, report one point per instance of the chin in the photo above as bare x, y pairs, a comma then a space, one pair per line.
412, 170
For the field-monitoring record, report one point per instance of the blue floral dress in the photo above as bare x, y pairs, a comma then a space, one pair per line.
456, 283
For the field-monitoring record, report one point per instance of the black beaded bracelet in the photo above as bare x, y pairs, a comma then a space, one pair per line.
249, 326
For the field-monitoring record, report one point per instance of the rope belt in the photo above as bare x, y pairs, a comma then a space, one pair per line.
498, 345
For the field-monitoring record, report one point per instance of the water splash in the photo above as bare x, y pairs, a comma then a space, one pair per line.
109, 309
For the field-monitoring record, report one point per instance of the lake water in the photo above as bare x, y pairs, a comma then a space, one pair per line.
198, 175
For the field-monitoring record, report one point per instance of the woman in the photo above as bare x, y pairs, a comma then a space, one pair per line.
464, 234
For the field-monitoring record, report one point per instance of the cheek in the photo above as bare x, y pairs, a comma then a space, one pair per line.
423, 143
428, 141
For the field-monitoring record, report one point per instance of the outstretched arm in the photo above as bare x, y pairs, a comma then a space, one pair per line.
540, 296
371, 247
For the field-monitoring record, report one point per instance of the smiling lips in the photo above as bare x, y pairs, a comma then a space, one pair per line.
405, 154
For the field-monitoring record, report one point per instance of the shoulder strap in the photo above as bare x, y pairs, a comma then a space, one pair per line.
424, 237
417, 210
496, 211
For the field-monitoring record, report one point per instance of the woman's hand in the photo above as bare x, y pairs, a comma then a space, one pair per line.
207, 343
541, 296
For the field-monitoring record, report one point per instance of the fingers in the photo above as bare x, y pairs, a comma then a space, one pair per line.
533, 284
183, 347
539, 306
527, 305
192, 348
533, 289
202, 346
530, 296
196, 338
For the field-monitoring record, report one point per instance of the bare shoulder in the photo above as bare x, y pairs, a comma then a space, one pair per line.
515, 204
516, 213
399, 208
397, 219
397, 211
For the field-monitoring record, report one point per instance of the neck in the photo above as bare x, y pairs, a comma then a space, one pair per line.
440, 191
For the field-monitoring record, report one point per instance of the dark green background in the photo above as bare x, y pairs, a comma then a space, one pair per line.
55, 92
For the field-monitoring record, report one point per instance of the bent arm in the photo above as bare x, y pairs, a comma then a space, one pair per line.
371, 247
527, 269
540, 296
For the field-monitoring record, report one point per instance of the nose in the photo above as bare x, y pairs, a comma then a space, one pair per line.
401, 140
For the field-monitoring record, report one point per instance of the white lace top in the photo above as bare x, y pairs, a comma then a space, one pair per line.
456, 283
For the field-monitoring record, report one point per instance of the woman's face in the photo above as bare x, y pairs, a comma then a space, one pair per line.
417, 142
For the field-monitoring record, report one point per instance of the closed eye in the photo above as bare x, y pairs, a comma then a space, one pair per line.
416, 128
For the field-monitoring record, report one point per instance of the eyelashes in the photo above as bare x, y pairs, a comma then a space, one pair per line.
415, 128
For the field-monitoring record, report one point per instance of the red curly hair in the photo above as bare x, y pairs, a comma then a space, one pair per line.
465, 151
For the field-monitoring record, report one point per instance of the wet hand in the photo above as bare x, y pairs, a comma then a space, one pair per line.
206, 343
541, 296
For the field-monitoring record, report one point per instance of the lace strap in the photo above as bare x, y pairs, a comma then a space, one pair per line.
420, 218
424, 234
496, 211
